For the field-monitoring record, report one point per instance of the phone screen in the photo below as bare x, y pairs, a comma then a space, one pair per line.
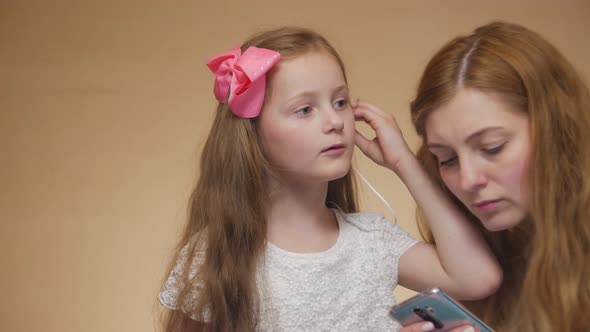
435, 306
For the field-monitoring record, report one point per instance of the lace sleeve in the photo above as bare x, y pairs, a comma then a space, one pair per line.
394, 238
401, 240
180, 275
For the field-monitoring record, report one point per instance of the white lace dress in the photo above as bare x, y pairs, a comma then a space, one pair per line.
348, 287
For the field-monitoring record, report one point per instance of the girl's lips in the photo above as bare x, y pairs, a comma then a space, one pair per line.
335, 149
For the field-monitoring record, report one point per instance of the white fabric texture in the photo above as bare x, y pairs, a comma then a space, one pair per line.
348, 287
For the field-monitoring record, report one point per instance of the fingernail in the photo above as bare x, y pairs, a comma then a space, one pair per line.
469, 329
428, 327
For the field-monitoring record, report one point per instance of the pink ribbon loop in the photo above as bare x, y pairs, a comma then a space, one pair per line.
241, 78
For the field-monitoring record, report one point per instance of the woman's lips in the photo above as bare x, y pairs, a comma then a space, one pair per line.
487, 206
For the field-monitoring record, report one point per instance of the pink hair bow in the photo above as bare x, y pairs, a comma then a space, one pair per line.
243, 76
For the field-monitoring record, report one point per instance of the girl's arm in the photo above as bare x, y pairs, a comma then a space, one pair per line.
461, 263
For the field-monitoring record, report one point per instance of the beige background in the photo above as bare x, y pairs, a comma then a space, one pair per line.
104, 106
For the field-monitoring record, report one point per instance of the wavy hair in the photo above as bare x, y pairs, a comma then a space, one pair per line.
547, 275
227, 223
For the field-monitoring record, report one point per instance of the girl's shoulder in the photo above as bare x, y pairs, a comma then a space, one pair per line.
180, 290
368, 221
378, 231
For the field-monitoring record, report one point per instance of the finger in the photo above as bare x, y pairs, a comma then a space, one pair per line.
365, 113
465, 328
367, 116
362, 142
372, 107
418, 327
358, 110
361, 105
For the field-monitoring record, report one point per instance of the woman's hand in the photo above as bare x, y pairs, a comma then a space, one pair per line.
388, 147
421, 327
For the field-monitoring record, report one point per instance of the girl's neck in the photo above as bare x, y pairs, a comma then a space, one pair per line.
298, 219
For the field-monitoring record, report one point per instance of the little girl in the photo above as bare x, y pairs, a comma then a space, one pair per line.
274, 240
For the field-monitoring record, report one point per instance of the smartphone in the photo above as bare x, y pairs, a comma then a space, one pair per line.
433, 305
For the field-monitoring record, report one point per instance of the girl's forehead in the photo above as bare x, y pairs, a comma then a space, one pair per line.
309, 71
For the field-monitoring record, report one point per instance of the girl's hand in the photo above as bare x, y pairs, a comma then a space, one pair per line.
388, 147
421, 327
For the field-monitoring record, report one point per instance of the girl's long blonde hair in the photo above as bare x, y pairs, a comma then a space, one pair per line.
227, 221
547, 274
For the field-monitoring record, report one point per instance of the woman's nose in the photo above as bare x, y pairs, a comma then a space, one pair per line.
472, 176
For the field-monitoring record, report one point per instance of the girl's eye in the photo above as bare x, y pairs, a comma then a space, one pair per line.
448, 162
341, 104
304, 110
494, 150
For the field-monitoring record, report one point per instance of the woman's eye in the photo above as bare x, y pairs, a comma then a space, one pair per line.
304, 110
341, 104
447, 162
494, 150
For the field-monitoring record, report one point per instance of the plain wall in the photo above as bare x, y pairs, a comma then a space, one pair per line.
104, 106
